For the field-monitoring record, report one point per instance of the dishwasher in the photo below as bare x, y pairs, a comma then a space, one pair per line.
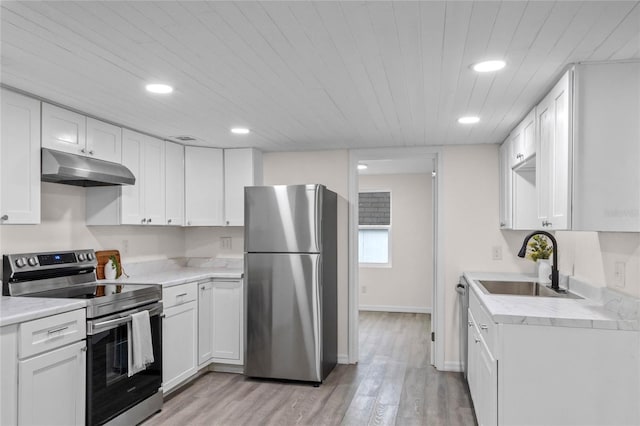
463, 298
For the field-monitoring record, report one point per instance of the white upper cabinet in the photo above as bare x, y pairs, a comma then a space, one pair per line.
606, 143
523, 140
204, 181
242, 167
174, 183
553, 159
68, 131
104, 141
142, 203
63, 130
19, 160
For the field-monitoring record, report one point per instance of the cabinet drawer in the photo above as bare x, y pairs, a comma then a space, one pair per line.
485, 324
52, 332
174, 296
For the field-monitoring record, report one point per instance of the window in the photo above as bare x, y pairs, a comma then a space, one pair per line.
374, 211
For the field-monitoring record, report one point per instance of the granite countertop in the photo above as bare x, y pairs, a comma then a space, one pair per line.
14, 310
601, 312
173, 277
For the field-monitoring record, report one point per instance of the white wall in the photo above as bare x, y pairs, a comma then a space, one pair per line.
205, 241
329, 168
63, 227
407, 285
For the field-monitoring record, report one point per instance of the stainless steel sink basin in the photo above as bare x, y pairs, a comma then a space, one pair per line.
523, 288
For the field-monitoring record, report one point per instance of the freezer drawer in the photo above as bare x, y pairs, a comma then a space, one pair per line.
283, 218
284, 331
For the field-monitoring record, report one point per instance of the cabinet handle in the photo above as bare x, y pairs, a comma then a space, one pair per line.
84, 349
476, 339
82, 150
202, 287
144, 220
4, 217
227, 222
55, 330
188, 223
91, 152
470, 324
180, 295
169, 221
163, 315
484, 327
502, 224
149, 220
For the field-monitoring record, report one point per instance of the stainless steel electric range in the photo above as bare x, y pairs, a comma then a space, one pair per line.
113, 397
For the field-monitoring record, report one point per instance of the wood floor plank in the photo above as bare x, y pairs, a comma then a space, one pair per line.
393, 383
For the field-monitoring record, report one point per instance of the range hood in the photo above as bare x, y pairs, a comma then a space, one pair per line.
72, 169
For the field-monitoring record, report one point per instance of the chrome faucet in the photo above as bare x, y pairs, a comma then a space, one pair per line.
554, 268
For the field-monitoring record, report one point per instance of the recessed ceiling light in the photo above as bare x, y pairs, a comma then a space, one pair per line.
362, 166
468, 120
240, 130
159, 88
488, 66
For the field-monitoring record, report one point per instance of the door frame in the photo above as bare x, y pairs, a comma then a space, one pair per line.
437, 316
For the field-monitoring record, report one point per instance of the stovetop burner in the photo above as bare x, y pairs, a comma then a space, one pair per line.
70, 275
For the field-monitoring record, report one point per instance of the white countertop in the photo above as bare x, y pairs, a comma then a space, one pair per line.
549, 311
173, 277
14, 310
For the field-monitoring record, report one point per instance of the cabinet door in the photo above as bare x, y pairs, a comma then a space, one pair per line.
528, 126
174, 183
179, 344
487, 386
203, 186
9, 374
133, 195
205, 322
153, 181
63, 130
227, 321
553, 165
241, 168
506, 204
51, 387
19, 160
104, 141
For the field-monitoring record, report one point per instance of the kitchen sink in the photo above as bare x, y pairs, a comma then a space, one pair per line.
523, 288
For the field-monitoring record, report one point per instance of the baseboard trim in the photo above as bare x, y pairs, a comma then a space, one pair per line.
343, 359
455, 366
390, 308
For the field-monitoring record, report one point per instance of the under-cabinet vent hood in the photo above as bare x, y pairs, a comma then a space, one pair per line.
72, 169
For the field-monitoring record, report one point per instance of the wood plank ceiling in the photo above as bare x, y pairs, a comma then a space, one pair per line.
308, 75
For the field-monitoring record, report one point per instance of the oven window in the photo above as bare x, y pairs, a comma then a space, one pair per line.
117, 356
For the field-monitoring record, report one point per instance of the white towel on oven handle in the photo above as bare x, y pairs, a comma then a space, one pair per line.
140, 344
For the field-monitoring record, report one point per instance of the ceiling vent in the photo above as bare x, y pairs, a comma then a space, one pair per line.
184, 138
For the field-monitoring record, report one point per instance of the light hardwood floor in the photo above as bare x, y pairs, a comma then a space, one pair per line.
392, 384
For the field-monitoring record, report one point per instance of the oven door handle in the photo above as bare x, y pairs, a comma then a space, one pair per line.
94, 328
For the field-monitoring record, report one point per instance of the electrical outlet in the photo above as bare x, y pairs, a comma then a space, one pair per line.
619, 274
496, 252
225, 243
364, 289
125, 246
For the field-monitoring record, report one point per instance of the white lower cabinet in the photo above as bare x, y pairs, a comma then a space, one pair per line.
221, 323
43, 371
550, 375
179, 335
51, 387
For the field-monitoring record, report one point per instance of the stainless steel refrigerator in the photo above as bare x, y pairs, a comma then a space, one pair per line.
291, 281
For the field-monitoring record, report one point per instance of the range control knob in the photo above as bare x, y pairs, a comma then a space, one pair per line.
81, 257
89, 256
21, 262
33, 261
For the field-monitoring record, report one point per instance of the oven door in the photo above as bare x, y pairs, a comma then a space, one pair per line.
110, 390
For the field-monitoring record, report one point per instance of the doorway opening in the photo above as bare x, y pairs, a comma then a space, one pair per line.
394, 240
